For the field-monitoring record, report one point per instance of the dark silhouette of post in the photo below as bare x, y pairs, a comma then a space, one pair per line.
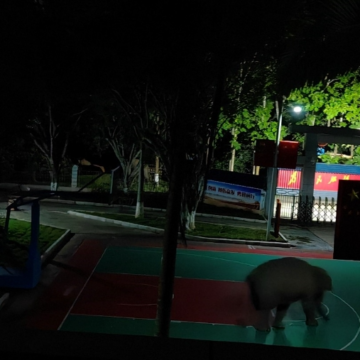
277, 218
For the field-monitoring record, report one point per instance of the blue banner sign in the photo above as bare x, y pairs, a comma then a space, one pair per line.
234, 196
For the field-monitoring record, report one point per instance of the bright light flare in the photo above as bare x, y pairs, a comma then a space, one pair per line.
297, 109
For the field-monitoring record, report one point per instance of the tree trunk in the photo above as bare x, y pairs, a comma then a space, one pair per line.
124, 179
189, 204
193, 191
156, 176
54, 176
139, 212
189, 218
168, 260
232, 161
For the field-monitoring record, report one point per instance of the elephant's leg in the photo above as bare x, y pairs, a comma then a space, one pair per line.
263, 323
280, 314
309, 308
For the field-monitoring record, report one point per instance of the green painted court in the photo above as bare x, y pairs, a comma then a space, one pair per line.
117, 294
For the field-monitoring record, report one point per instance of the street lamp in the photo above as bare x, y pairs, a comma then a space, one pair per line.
274, 174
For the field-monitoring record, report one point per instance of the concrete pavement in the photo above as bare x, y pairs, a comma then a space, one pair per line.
325, 232
55, 213
312, 238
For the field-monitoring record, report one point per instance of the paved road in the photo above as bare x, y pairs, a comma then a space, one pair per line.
55, 214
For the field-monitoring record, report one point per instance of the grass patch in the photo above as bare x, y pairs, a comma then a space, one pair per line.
102, 184
158, 222
150, 186
231, 232
19, 240
224, 211
202, 229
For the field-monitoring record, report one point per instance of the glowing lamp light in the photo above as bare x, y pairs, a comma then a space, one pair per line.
297, 109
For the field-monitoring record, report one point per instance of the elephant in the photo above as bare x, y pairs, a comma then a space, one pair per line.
279, 283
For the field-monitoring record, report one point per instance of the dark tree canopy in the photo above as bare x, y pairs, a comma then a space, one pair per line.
55, 51
324, 41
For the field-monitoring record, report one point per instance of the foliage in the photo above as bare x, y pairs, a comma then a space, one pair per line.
243, 160
334, 103
112, 124
248, 111
50, 129
102, 184
172, 119
150, 186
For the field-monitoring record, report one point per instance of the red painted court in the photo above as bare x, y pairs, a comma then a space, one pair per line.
114, 291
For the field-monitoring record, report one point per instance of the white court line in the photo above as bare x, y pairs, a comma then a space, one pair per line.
239, 262
80, 292
357, 315
318, 318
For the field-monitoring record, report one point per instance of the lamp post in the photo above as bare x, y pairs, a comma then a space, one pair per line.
274, 172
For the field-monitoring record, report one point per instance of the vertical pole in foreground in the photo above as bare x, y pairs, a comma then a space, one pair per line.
274, 173
33, 264
166, 283
139, 211
277, 218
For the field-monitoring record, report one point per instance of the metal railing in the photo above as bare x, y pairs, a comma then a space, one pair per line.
294, 207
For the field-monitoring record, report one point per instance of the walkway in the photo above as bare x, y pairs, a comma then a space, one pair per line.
318, 238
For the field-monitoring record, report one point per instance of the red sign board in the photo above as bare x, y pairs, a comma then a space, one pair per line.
291, 179
264, 153
287, 155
